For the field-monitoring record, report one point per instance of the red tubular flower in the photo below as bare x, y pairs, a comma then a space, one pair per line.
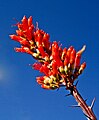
64, 53
16, 38
54, 68
20, 39
56, 53
66, 61
24, 50
77, 60
45, 41
82, 67
69, 51
55, 48
30, 22
24, 23
72, 56
38, 37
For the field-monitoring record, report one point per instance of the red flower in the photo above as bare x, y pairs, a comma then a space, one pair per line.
30, 22
77, 60
72, 56
66, 61
69, 51
16, 38
23, 49
82, 67
54, 68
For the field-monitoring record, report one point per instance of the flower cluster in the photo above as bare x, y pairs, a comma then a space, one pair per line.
60, 67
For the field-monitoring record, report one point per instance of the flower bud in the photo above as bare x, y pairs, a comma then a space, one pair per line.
46, 37
82, 67
24, 23
64, 53
69, 51
77, 60
45, 86
16, 38
30, 21
66, 61
72, 56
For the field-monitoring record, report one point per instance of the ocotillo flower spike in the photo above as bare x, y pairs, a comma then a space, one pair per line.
58, 65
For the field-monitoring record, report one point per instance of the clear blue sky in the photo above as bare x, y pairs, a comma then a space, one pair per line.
72, 22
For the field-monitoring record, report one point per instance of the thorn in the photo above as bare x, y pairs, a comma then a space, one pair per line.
68, 95
85, 100
77, 83
92, 104
60, 86
87, 116
74, 106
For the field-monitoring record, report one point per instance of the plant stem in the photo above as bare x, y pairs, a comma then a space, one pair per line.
87, 110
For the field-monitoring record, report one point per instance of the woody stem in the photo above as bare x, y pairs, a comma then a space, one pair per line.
82, 104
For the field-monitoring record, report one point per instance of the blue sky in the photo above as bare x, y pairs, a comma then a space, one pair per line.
72, 22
